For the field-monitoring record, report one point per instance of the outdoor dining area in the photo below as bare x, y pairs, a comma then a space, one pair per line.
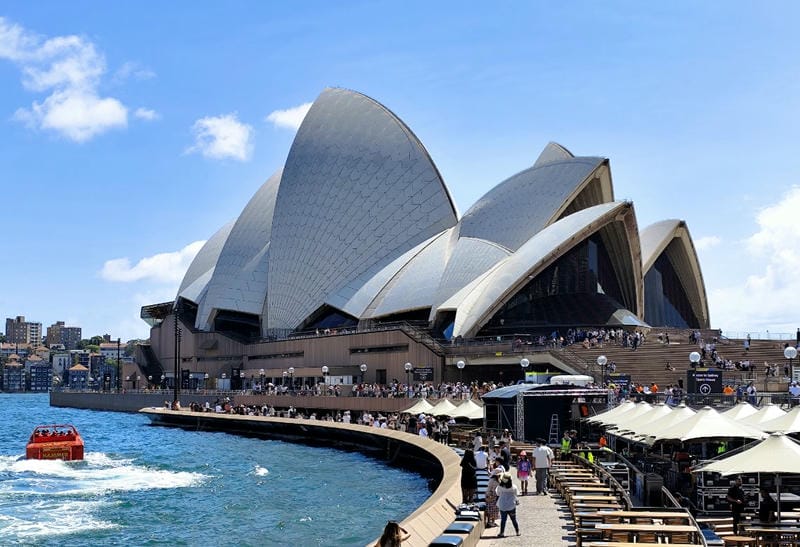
709, 450
604, 516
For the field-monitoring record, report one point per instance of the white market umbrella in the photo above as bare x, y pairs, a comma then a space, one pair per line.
443, 408
420, 407
622, 407
777, 454
468, 409
708, 424
766, 413
741, 410
634, 423
679, 414
637, 410
788, 423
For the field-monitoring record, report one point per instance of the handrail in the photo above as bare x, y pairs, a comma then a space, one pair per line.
607, 475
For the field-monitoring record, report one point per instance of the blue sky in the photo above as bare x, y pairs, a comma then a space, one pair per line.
132, 131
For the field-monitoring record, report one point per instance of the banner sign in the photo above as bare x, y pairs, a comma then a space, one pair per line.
622, 381
423, 374
704, 381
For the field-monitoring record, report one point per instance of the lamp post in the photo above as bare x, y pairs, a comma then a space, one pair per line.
285, 374
601, 361
694, 358
128, 379
408, 368
363, 369
261, 376
118, 382
325, 377
461, 365
205, 381
790, 353
149, 382
291, 379
524, 364
138, 379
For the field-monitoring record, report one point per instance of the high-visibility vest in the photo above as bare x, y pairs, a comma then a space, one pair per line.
565, 445
590, 457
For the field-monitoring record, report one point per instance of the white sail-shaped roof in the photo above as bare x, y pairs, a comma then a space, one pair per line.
239, 282
358, 191
204, 263
476, 302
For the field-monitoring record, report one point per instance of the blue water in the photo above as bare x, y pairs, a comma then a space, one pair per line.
144, 485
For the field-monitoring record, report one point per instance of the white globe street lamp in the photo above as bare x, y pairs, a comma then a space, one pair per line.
363, 368
790, 353
461, 365
601, 361
408, 368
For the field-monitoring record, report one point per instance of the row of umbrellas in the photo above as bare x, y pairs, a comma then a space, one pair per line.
647, 423
773, 453
468, 409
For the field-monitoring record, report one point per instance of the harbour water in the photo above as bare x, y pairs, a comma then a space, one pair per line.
145, 485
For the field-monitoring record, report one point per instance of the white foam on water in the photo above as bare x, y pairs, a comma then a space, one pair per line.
260, 471
51, 518
98, 473
49, 497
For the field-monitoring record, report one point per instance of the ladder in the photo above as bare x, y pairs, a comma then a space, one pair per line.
554, 434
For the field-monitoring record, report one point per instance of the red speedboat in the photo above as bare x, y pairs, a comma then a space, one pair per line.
55, 442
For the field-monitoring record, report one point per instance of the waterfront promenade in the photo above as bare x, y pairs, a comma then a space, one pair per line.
541, 523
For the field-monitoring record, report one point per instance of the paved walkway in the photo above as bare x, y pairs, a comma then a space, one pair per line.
543, 521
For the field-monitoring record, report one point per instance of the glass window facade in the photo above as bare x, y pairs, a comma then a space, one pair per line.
666, 303
580, 288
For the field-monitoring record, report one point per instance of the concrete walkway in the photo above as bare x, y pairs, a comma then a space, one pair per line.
543, 521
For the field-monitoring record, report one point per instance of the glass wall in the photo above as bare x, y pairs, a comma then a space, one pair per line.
666, 303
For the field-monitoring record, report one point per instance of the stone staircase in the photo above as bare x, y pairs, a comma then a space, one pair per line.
648, 363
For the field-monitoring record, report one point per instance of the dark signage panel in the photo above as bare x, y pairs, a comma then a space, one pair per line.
423, 374
623, 381
704, 381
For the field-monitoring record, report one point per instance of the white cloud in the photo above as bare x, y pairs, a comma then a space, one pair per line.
706, 242
69, 68
147, 114
132, 70
220, 137
290, 118
768, 297
75, 115
163, 267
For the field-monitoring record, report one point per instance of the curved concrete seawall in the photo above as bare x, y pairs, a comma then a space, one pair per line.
433, 460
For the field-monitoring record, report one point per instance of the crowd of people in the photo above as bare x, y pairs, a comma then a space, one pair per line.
502, 495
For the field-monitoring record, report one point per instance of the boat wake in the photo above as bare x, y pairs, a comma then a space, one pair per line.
43, 498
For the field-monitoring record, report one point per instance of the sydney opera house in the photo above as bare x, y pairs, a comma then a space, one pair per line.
353, 253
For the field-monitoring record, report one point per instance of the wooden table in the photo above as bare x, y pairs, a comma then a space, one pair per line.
659, 530
629, 544
769, 534
738, 540
635, 516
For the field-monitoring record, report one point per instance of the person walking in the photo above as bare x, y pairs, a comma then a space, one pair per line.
542, 457
737, 502
507, 500
523, 471
491, 497
469, 478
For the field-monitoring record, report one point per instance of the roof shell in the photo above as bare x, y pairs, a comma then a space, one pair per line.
522, 205
239, 281
671, 236
478, 301
358, 191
